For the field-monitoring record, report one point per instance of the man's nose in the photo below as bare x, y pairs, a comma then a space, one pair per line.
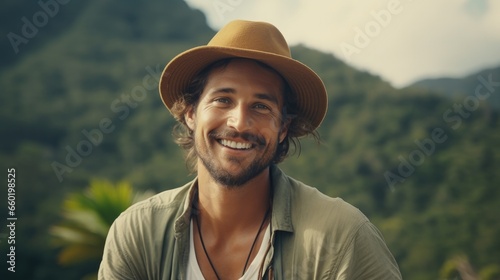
239, 118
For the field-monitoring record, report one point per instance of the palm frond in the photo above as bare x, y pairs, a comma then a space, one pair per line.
87, 217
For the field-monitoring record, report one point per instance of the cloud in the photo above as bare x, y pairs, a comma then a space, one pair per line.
400, 40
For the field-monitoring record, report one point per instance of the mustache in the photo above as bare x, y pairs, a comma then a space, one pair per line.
247, 136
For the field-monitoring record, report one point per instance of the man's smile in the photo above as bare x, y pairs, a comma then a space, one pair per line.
237, 141
235, 145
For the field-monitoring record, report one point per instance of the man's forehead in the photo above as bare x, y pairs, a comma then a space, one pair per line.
235, 67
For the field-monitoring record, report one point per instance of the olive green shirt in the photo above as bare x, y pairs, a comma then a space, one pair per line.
313, 237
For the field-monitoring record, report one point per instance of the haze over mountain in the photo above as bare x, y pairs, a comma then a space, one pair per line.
460, 87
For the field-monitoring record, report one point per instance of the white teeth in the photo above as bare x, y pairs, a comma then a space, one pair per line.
235, 145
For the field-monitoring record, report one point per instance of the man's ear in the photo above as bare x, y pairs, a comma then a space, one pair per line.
189, 118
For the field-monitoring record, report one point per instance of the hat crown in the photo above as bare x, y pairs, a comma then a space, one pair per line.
250, 35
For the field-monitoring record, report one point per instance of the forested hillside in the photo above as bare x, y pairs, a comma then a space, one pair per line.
80, 101
461, 87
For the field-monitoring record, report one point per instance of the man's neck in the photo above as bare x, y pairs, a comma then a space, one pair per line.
226, 211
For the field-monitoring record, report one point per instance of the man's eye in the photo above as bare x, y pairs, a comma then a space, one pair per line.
222, 100
261, 107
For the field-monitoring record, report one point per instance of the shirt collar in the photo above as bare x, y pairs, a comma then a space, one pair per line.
282, 208
281, 213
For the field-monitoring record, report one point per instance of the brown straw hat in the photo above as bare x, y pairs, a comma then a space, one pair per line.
254, 40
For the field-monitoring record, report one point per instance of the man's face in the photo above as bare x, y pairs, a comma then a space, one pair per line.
237, 122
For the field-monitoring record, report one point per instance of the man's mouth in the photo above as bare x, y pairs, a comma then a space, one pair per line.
235, 145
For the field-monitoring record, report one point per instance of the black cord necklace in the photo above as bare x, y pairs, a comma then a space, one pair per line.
249, 253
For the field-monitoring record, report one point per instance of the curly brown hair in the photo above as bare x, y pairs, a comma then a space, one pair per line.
183, 136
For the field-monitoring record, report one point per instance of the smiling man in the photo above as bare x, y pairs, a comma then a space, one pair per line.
241, 100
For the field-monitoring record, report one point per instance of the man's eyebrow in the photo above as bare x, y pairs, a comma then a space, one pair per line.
267, 96
223, 90
263, 96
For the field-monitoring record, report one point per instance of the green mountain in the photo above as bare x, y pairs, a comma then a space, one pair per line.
473, 84
80, 101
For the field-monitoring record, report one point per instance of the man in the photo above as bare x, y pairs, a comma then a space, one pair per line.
240, 101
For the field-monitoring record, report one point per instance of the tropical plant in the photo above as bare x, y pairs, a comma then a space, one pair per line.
87, 217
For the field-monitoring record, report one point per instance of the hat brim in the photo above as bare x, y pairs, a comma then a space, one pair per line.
304, 82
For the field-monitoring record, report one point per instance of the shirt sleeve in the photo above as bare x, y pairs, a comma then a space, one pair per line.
116, 263
367, 257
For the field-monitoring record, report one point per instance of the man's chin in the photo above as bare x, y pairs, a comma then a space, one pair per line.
236, 178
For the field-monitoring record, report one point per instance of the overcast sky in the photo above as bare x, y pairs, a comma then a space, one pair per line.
400, 40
